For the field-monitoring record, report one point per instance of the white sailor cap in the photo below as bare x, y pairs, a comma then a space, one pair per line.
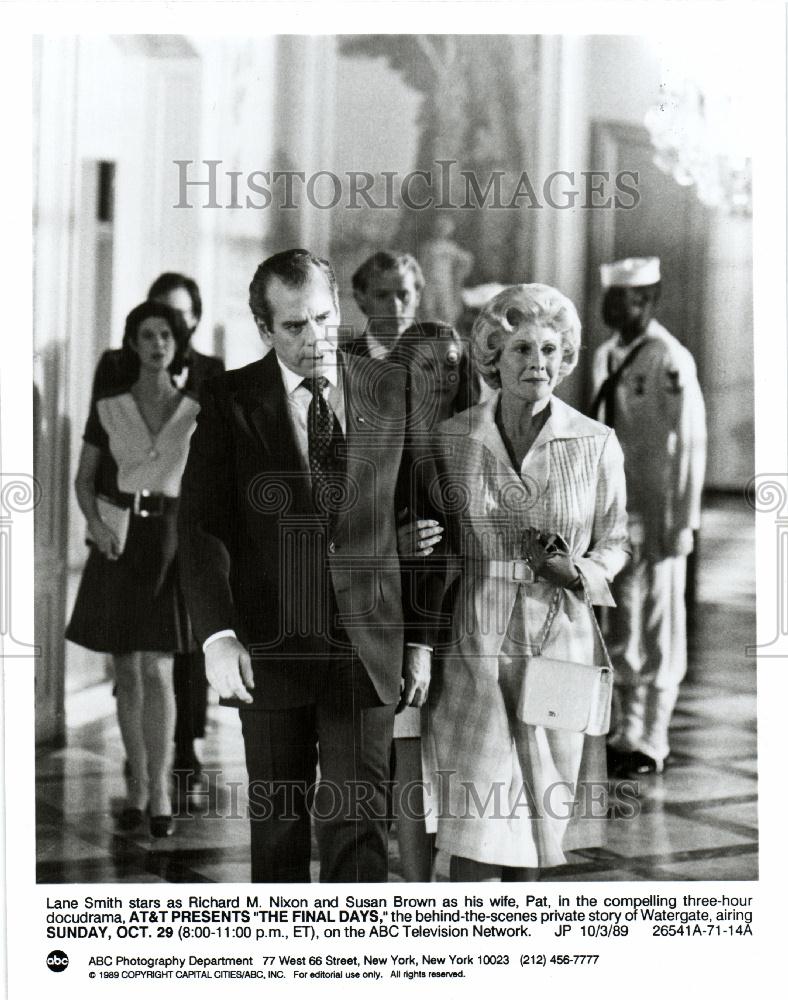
634, 272
478, 296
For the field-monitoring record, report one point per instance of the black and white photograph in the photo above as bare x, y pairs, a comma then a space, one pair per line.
407, 428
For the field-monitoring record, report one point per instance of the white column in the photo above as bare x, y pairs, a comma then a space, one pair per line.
726, 357
55, 182
305, 109
560, 234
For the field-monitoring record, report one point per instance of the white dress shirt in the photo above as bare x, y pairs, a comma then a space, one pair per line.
299, 397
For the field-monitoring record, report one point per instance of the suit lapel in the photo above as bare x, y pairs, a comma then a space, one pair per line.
356, 424
269, 417
266, 406
363, 429
355, 421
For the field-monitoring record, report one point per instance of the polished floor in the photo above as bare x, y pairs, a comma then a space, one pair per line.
698, 821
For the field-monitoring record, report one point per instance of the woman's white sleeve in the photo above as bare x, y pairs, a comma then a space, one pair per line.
609, 538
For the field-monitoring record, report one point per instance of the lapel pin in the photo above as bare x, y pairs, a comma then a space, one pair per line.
360, 420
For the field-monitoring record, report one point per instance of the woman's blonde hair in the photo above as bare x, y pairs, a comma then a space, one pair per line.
524, 306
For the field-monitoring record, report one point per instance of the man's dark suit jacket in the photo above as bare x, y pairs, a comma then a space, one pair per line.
110, 376
252, 549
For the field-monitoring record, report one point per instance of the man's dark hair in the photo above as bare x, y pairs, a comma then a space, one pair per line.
129, 360
383, 262
169, 282
291, 267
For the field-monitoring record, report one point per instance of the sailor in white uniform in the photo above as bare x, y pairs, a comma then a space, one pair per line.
646, 387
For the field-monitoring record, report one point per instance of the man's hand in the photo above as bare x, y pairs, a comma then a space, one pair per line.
416, 677
228, 668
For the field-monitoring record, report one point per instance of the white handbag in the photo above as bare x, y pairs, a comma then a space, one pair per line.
560, 694
116, 519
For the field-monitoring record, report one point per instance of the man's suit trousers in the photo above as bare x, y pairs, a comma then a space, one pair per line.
348, 731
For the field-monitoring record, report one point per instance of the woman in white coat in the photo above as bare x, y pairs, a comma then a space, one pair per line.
513, 473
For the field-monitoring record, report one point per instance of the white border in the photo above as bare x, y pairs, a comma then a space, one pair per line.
644, 971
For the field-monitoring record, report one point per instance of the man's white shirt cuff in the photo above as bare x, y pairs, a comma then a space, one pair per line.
225, 633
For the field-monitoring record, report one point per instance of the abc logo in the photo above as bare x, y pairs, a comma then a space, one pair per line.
57, 961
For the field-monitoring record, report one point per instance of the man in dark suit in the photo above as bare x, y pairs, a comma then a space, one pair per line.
191, 688
289, 554
387, 288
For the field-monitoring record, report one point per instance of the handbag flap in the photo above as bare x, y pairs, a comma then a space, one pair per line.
116, 519
559, 694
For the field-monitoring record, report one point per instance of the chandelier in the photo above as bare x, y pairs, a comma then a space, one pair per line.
699, 136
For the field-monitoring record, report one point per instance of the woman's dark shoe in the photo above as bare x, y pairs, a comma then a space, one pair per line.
129, 819
161, 826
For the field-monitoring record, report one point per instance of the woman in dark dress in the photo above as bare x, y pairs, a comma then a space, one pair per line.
440, 384
129, 605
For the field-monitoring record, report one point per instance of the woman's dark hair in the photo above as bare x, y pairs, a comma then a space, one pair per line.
172, 280
422, 332
130, 360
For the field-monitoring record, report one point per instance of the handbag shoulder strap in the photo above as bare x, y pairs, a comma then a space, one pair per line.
597, 629
552, 611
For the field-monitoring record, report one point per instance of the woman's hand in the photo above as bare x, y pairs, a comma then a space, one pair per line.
418, 538
548, 559
105, 539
